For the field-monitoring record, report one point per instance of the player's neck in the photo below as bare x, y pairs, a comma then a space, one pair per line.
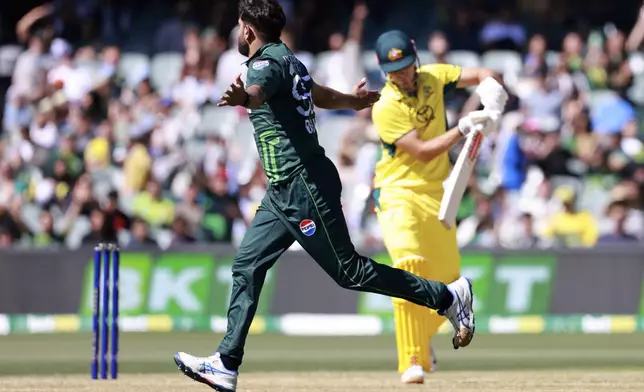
255, 46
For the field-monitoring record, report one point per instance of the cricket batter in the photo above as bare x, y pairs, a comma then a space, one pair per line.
410, 119
303, 198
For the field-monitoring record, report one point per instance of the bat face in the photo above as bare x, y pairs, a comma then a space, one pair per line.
458, 179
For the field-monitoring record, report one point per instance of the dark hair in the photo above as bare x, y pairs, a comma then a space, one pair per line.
266, 17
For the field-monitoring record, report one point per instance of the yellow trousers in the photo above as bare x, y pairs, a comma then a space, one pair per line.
417, 242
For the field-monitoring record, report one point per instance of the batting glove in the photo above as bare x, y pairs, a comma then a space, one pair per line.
493, 95
480, 120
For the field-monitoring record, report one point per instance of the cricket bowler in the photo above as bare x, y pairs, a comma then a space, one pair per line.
303, 198
410, 120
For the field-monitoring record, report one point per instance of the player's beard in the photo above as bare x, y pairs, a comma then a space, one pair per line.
243, 47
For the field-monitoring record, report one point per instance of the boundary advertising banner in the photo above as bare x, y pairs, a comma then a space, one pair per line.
196, 282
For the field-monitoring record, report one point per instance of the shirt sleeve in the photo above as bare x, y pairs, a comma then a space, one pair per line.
447, 75
391, 121
265, 73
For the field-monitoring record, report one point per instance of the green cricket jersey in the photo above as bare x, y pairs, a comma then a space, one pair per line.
285, 130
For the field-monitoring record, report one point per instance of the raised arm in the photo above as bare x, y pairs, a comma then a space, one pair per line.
24, 24
328, 98
474, 76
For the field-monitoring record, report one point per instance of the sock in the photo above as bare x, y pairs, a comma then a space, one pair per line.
230, 363
446, 302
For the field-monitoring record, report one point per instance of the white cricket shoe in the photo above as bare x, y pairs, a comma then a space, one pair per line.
413, 375
208, 370
461, 313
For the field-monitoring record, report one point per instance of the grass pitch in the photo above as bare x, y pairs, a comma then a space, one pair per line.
344, 381
524, 363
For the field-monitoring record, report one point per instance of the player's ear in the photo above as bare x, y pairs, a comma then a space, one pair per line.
249, 33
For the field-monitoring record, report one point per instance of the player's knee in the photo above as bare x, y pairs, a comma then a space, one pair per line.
352, 272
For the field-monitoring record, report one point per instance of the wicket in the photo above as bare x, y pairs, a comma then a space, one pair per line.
101, 317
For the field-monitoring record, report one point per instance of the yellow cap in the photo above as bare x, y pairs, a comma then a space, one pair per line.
565, 194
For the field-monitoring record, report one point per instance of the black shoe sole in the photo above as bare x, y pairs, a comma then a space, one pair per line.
195, 376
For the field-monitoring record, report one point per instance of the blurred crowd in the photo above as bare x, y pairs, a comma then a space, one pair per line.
103, 142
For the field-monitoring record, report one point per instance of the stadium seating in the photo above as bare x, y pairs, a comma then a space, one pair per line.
8, 57
133, 67
165, 70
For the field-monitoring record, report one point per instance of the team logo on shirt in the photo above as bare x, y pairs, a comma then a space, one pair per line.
394, 54
257, 65
307, 227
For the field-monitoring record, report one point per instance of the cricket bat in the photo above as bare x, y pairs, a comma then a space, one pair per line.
458, 178
493, 97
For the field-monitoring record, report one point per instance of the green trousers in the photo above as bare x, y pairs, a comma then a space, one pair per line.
308, 210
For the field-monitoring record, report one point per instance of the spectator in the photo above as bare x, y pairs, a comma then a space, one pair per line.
221, 209
46, 236
29, 69
180, 232
346, 54
617, 212
189, 211
527, 238
620, 77
503, 32
6, 239
97, 151
140, 235
10, 224
116, 221
137, 165
305, 57
545, 100
82, 143
96, 233
152, 207
75, 82
478, 229
534, 63
170, 37
571, 228
44, 131
230, 63
572, 60
439, 47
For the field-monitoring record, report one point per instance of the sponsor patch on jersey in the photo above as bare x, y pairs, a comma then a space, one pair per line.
257, 65
307, 227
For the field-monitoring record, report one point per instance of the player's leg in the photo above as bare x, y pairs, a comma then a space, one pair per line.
399, 227
312, 209
441, 248
266, 239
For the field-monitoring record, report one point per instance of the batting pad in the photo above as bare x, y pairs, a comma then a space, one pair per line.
413, 322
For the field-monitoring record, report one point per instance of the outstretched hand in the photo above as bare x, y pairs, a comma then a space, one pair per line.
364, 98
236, 94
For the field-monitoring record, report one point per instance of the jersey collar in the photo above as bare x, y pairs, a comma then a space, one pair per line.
261, 50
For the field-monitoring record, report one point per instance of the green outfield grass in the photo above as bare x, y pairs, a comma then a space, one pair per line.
152, 352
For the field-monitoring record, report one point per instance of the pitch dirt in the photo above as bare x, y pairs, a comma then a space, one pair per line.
574, 381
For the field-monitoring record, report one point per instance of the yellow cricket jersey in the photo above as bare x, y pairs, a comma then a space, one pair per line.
396, 114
